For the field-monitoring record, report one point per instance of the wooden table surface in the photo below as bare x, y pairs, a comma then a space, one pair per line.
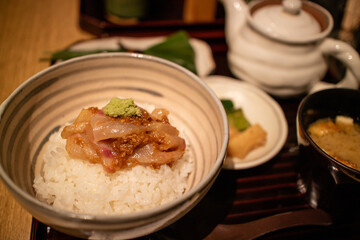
29, 29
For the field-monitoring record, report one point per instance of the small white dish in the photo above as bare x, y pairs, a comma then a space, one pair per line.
258, 107
204, 61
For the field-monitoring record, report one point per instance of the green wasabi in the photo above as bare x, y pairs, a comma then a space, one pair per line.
118, 107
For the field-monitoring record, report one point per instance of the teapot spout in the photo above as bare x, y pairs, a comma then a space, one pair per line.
236, 12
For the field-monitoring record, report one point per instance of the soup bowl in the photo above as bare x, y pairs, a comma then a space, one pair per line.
55, 97
326, 182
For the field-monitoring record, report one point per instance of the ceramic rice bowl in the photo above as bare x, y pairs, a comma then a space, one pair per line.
55, 96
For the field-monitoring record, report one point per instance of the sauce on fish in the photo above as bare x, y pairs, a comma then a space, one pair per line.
123, 142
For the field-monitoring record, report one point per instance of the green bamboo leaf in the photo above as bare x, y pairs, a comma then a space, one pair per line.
68, 54
175, 48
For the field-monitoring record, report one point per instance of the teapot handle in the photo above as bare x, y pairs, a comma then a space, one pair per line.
345, 53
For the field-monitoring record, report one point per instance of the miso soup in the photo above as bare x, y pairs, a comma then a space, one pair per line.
339, 138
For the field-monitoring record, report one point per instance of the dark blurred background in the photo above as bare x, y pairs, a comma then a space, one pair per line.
210, 14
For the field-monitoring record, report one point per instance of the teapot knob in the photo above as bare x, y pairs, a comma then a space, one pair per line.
292, 6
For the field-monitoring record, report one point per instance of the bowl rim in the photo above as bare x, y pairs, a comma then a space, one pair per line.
129, 217
307, 136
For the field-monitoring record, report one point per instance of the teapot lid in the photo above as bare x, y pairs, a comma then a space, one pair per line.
291, 20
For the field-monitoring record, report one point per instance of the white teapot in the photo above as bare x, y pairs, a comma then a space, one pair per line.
280, 46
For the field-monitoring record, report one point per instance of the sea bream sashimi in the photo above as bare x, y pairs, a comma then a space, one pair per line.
123, 141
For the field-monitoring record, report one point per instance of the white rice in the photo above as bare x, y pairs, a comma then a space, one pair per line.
79, 186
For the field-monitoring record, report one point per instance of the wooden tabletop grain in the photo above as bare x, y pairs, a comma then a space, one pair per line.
28, 30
